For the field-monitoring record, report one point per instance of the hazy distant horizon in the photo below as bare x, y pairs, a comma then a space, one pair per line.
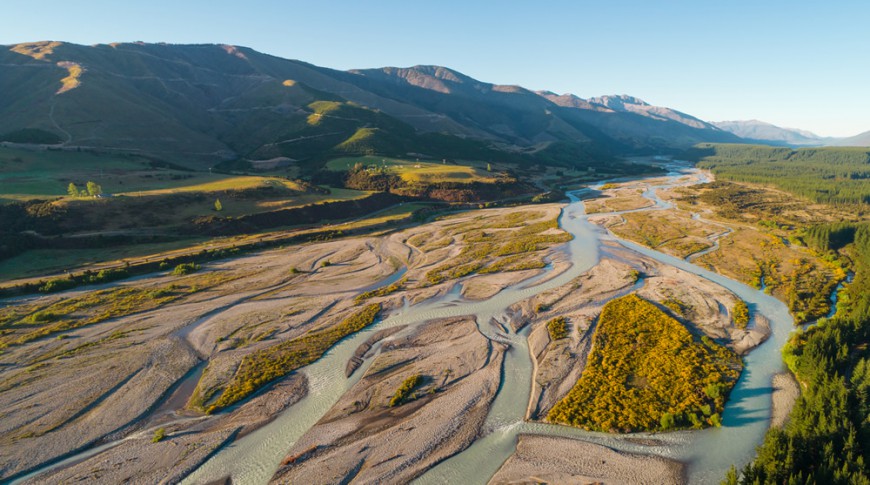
785, 63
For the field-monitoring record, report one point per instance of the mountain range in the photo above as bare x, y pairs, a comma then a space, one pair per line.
760, 132
200, 104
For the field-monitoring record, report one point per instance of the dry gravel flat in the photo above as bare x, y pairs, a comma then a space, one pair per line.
188, 443
786, 390
364, 440
105, 381
546, 459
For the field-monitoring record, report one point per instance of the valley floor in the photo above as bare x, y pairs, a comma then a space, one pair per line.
170, 352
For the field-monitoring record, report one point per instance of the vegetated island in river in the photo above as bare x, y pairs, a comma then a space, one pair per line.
646, 371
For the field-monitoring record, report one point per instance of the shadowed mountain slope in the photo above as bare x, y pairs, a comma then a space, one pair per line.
200, 104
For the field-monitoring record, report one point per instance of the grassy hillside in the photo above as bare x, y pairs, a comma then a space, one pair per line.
828, 175
517, 116
196, 105
199, 105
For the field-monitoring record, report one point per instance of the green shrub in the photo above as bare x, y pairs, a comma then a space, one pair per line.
185, 268
675, 305
558, 328
404, 392
715, 420
57, 284
43, 317
740, 314
384, 291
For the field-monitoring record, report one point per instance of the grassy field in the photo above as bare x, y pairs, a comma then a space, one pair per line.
147, 199
163, 212
420, 172
234, 207
46, 261
28, 174
222, 183
391, 214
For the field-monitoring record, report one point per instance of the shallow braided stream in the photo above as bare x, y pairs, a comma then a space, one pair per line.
709, 453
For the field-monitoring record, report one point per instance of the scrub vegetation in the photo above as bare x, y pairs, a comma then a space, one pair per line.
405, 392
558, 328
383, 291
765, 247
740, 314
270, 363
19, 325
504, 244
667, 231
647, 372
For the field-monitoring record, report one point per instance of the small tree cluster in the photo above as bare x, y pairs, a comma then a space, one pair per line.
92, 189
558, 328
406, 390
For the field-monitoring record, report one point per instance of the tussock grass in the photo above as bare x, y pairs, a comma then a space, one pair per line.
36, 50
73, 80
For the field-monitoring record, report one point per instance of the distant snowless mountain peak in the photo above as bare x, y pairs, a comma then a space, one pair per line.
762, 132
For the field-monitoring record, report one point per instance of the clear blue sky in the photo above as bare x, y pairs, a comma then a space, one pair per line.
794, 63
